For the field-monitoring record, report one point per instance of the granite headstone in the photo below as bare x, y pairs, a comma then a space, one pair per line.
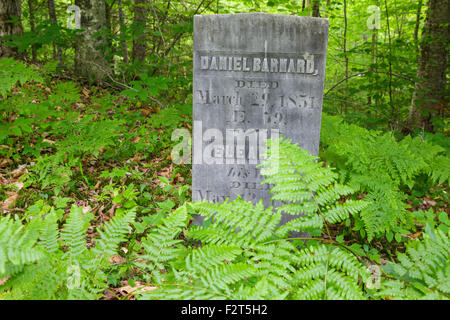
256, 76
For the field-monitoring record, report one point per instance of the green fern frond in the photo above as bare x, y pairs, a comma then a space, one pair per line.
13, 72
375, 163
221, 277
39, 266
235, 222
440, 169
113, 233
340, 212
17, 244
183, 292
276, 262
74, 233
306, 187
207, 273
423, 271
49, 232
210, 256
328, 272
161, 246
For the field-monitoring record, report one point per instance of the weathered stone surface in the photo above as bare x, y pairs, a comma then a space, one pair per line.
257, 74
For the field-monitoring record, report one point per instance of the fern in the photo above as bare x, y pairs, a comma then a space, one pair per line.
49, 233
205, 273
114, 232
240, 252
13, 72
439, 169
161, 245
243, 247
40, 266
87, 136
328, 272
198, 274
376, 164
74, 232
82, 138
254, 223
422, 272
307, 188
50, 171
17, 245
211, 256
64, 93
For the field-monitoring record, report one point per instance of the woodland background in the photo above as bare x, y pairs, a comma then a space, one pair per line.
87, 115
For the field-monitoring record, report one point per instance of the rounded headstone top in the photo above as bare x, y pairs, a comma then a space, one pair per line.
253, 32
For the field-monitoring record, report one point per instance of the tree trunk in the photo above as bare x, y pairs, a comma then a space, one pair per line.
416, 28
57, 52
139, 38
9, 10
122, 33
372, 68
393, 117
316, 8
345, 54
109, 29
429, 92
31, 9
89, 60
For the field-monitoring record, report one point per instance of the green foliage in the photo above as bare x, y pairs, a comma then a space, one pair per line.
422, 272
378, 165
240, 252
86, 136
169, 117
328, 273
13, 72
40, 262
84, 143
17, 245
45, 34
246, 254
146, 88
161, 244
306, 188
244, 247
222, 223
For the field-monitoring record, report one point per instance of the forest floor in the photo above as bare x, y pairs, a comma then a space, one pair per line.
122, 161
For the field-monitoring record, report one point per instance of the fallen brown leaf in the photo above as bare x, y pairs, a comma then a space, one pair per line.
116, 259
5, 162
138, 288
99, 182
85, 92
413, 236
10, 202
20, 171
49, 141
113, 209
108, 295
429, 202
2, 281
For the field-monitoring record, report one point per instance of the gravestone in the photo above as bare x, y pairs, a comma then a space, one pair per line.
256, 76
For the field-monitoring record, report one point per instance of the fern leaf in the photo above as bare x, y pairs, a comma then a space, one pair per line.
113, 233
74, 233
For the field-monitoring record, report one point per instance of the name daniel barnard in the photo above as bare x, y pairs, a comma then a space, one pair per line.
303, 65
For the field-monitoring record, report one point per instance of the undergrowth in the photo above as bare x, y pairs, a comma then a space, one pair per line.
95, 205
